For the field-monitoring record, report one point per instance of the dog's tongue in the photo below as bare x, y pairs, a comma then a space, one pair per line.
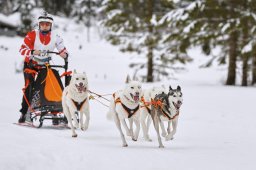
136, 98
80, 88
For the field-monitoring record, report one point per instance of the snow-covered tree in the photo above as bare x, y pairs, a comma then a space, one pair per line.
25, 8
134, 25
227, 24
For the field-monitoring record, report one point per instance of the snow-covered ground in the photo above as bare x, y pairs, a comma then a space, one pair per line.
216, 128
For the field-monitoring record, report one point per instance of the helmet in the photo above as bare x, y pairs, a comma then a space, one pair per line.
45, 17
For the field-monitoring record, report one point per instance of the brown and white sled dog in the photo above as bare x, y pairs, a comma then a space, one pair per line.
167, 108
145, 119
125, 104
75, 102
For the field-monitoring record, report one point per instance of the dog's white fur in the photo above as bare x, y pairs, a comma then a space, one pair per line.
175, 99
77, 91
145, 118
117, 111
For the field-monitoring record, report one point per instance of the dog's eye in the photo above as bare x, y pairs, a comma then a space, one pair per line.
132, 87
174, 95
83, 78
139, 87
77, 78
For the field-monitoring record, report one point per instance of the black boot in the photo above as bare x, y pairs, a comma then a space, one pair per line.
22, 118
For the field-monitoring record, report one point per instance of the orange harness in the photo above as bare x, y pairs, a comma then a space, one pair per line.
129, 111
159, 104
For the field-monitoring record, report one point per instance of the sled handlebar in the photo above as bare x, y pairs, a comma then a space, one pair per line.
65, 66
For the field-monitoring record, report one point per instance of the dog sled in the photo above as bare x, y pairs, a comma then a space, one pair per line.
46, 93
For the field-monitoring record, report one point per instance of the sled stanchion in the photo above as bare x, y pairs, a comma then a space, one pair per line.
66, 69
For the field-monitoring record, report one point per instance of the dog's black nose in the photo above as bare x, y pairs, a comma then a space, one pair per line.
179, 102
80, 84
137, 93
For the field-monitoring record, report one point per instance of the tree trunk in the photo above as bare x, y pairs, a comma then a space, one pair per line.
88, 34
245, 57
254, 65
231, 79
150, 54
245, 70
150, 77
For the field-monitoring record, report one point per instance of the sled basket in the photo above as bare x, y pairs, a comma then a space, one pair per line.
47, 91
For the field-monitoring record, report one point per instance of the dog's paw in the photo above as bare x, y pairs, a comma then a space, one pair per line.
134, 139
147, 138
74, 135
125, 145
84, 128
169, 137
161, 146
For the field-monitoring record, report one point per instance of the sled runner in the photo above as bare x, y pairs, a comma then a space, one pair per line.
46, 92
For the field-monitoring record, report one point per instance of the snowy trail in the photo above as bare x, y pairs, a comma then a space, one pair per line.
216, 126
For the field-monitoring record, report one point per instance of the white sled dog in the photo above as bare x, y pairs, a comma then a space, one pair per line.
145, 118
126, 104
167, 108
75, 102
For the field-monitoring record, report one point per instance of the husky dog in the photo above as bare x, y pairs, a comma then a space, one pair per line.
166, 108
145, 119
126, 104
75, 100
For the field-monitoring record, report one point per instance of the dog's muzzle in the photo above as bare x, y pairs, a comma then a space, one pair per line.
177, 105
135, 97
81, 87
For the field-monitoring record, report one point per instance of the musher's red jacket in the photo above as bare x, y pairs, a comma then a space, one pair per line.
29, 42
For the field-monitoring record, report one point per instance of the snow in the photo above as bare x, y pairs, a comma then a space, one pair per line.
216, 127
12, 20
225, 27
247, 48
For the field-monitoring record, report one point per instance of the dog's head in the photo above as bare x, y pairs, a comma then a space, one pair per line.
157, 90
175, 97
133, 90
79, 82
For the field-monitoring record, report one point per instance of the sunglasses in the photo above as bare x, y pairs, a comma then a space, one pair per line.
44, 23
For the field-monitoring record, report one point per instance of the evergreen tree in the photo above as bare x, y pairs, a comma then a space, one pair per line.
6, 7
58, 7
226, 24
134, 26
25, 8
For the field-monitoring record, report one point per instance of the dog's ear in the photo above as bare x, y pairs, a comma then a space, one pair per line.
74, 71
170, 88
178, 88
128, 79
